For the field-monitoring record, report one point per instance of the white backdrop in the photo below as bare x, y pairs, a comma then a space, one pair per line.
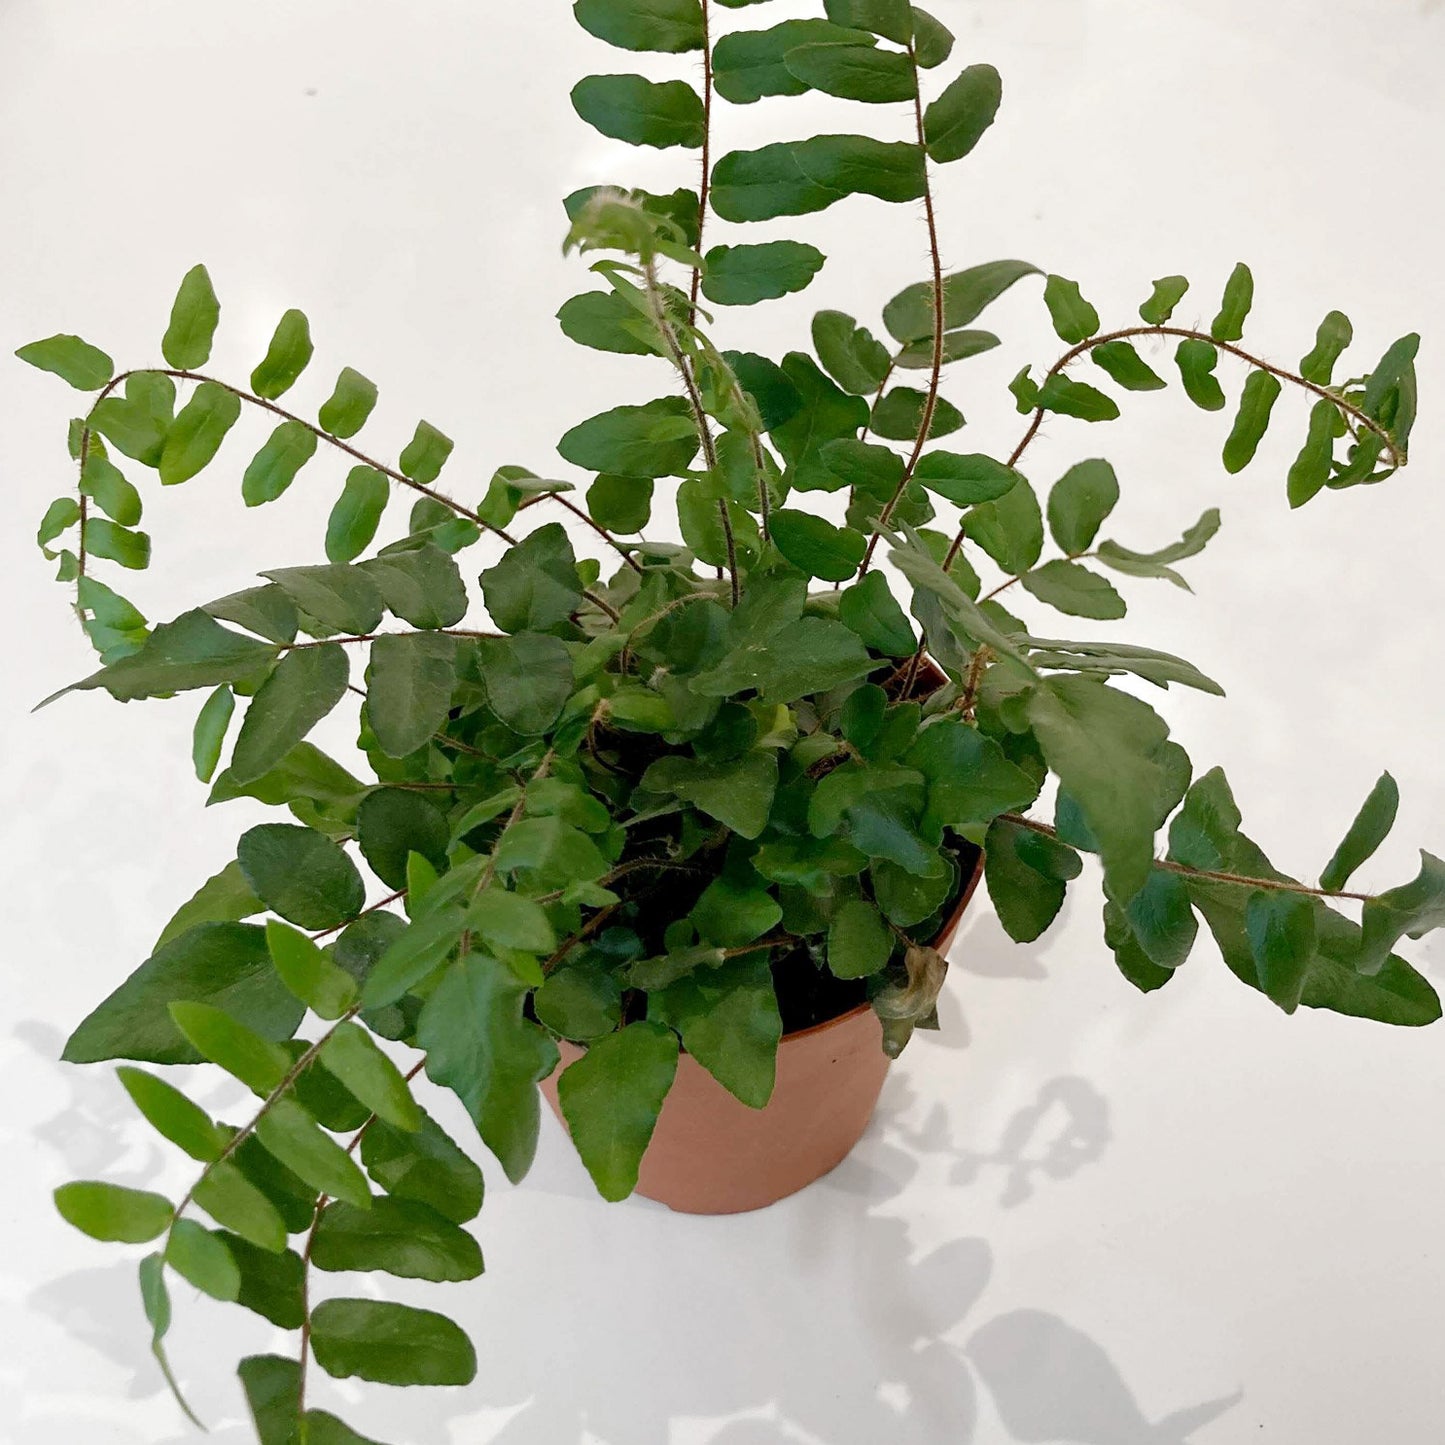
1081, 1215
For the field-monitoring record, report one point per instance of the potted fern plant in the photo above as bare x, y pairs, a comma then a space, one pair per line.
671, 824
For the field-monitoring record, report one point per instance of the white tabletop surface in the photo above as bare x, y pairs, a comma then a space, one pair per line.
1081, 1215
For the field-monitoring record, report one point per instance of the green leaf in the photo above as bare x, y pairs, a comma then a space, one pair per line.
1025, 392
1414, 908
1167, 294
620, 504
340, 597
553, 852
305, 969
899, 415
224, 964
1371, 827
850, 353
957, 346
956, 121
201, 1257
479, 1044
1122, 363
286, 357
111, 1213
1238, 298
424, 456
421, 585
730, 914
969, 780
859, 941
424, 1165
305, 775
611, 1097
1197, 360
729, 1021
62, 514
209, 735
579, 1002
172, 1115
816, 546
402, 1237
85, 367
965, 480
224, 898
219, 1039
301, 874
1102, 744
237, 1204
137, 423
117, 544
606, 321
854, 72
738, 793
272, 1284
810, 655
641, 112
1027, 875
346, 410
749, 64
892, 19
273, 1391
535, 586
392, 824
324, 1429
870, 609
1154, 564
932, 41
1010, 529
371, 1076
390, 1344
823, 413
266, 611
1334, 335
195, 315
658, 439
196, 435
1078, 504
528, 679
413, 956
274, 467
744, 275
357, 514
667, 25
1261, 391
410, 681
1311, 469
909, 315
304, 687
290, 1133
1074, 319
1162, 920
1076, 398
1133, 962
793, 178
1075, 590
1281, 929
910, 898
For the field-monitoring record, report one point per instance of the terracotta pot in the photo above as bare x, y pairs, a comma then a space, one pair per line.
711, 1154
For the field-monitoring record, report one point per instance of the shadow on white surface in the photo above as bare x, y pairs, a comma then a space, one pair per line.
833, 1328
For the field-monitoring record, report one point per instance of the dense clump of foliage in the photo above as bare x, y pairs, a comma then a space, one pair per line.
692, 794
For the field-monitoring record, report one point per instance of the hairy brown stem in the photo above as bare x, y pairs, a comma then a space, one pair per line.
706, 184
622, 551
935, 375
1209, 875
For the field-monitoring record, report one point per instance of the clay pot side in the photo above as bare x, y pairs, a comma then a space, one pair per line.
711, 1154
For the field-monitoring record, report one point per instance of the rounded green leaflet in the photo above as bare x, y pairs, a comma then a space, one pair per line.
113, 1213
424, 456
172, 1115
1073, 317
860, 943
130, 549
1311, 468
1197, 359
104, 483
286, 357
288, 1132
301, 875
744, 275
815, 546
854, 72
640, 111
955, 123
965, 480
302, 689
202, 1258
85, 367
401, 1237
371, 1076
346, 410
1123, 364
671, 26
1228, 325
274, 467
304, 968
1168, 292
390, 1344
194, 317
357, 514
1261, 391
620, 504
1079, 502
